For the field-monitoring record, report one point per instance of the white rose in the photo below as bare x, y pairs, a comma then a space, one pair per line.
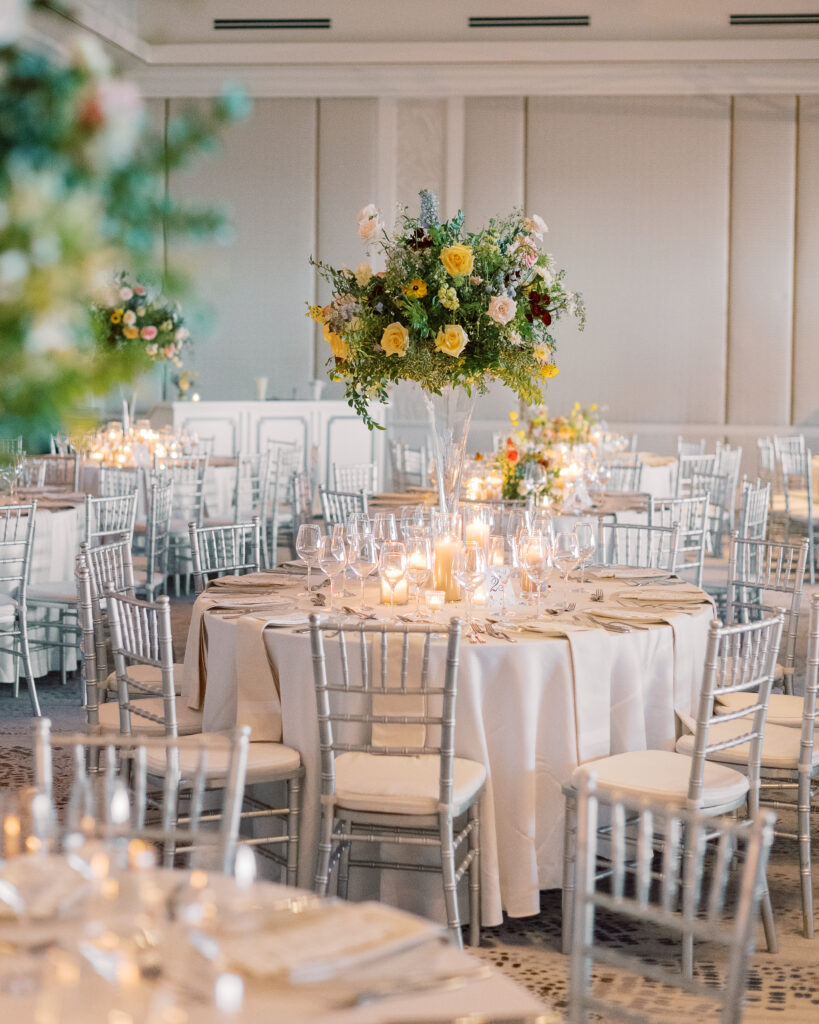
125, 294
368, 230
502, 309
545, 274
535, 225
367, 213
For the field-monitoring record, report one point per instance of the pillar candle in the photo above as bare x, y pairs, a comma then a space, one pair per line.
443, 578
400, 594
477, 533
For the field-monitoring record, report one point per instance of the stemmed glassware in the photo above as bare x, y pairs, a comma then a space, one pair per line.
470, 570
585, 546
535, 555
332, 558
363, 560
384, 528
392, 564
517, 519
566, 557
307, 547
419, 564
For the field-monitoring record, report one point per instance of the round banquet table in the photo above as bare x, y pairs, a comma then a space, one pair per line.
112, 954
530, 711
57, 532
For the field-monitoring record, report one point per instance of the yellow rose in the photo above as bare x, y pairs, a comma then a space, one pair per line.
395, 340
451, 340
340, 348
549, 370
457, 260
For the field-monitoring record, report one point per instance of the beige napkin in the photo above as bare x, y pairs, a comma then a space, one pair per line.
624, 572
255, 581
649, 459
548, 627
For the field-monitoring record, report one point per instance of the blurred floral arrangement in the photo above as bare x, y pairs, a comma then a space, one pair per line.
576, 428
79, 173
184, 382
451, 308
134, 317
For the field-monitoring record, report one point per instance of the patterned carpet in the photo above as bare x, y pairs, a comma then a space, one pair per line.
784, 986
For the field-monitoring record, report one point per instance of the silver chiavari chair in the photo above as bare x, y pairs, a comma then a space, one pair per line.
61, 471
358, 477
11, 445
32, 473
797, 481
690, 515
336, 506
640, 545
689, 902
17, 523
758, 571
410, 466
388, 770
739, 659
251, 492
110, 519
790, 444
188, 475
753, 510
151, 570
131, 787
217, 550
625, 472
114, 481
288, 460
690, 447
687, 466
301, 488
720, 495
136, 642
789, 764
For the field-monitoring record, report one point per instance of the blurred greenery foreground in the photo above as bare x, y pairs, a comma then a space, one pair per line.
82, 196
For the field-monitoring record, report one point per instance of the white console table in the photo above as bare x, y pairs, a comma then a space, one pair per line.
246, 428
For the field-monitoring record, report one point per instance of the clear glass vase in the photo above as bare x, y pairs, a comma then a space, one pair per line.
450, 414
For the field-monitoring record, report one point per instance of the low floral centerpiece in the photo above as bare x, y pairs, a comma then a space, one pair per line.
453, 311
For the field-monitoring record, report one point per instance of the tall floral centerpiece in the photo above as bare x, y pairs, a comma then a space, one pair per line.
453, 311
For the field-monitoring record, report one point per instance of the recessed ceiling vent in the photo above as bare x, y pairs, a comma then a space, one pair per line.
775, 19
270, 23
532, 21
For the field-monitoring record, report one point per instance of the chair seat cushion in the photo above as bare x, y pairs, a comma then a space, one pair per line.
64, 591
780, 745
783, 708
266, 762
387, 784
663, 775
188, 721
8, 607
149, 676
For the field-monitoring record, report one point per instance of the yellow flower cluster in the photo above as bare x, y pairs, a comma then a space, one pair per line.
549, 370
315, 313
448, 297
340, 348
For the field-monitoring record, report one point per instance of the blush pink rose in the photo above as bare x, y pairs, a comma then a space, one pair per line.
148, 333
502, 309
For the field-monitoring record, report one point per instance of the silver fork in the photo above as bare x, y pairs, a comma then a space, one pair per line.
597, 595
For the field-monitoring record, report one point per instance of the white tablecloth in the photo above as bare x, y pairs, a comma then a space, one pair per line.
658, 476
530, 712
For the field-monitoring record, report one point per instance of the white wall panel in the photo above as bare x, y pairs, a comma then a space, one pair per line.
806, 319
421, 152
762, 236
635, 191
256, 284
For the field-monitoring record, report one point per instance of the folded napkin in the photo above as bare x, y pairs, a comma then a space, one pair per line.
253, 581
682, 593
648, 459
317, 944
548, 627
625, 572
642, 617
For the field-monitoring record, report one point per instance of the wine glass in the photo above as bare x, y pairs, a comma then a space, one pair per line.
542, 522
392, 564
332, 558
469, 569
498, 555
363, 560
307, 547
585, 546
516, 520
359, 522
566, 557
535, 554
384, 528
419, 564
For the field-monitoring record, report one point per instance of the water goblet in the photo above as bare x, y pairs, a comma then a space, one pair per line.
363, 560
585, 546
566, 557
419, 564
307, 547
535, 554
332, 558
384, 528
392, 564
470, 570
516, 520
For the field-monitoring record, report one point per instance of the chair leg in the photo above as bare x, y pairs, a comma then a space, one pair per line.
768, 922
324, 852
61, 633
448, 876
344, 865
293, 825
475, 876
803, 811
27, 666
569, 881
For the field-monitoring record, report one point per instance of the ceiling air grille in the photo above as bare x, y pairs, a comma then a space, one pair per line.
532, 21
775, 19
270, 23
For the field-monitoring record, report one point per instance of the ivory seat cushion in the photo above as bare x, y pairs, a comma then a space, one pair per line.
64, 591
393, 784
188, 721
780, 745
265, 761
663, 775
783, 708
8, 607
150, 676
